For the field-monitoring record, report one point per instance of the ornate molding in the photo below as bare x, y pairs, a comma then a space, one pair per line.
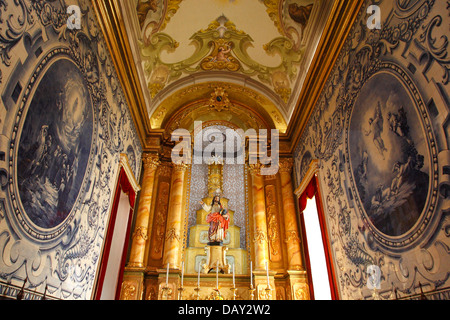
129, 172
313, 170
229, 52
337, 29
219, 100
110, 19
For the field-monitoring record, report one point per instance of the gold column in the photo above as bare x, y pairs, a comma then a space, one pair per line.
290, 219
215, 178
173, 239
140, 235
259, 218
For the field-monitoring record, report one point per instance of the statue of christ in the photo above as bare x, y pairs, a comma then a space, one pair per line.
218, 219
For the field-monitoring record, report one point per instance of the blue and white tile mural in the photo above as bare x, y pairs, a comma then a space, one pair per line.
54, 145
380, 133
64, 121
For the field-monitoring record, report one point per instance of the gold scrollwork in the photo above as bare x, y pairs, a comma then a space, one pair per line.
272, 224
172, 235
128, 291
141, 232
292, 235
160, 220
260, 236
301, 291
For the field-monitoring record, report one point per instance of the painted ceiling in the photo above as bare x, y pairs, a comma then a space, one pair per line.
193, 55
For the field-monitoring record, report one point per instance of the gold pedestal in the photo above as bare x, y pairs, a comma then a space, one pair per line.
216, 257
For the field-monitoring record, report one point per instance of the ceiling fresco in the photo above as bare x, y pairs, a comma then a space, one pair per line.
260, 45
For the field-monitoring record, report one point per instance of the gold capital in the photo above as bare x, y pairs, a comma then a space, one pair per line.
286, 165
255, 169
180, 167
150, 160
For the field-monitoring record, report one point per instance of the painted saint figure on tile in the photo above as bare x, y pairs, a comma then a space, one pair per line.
389, 161
55, 144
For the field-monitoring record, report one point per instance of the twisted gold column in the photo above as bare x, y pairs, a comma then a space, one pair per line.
259, 218
290, 220
140, 235
173, 241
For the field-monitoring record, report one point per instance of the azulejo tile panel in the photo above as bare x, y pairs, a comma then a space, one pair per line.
65, 122
378, 133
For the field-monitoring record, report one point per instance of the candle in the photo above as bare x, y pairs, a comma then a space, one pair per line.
234, 284
267, 271
182, 273
167, 275
198, 278
251, 274
217, 275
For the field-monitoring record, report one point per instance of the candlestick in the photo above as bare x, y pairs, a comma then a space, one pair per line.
252, 292
234, 284
234, 289
197, 291
167, 275
180, 294
198, 277
251, 274
268, 293
217, 274
182, 273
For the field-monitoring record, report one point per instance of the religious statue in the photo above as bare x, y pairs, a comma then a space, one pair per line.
218, 219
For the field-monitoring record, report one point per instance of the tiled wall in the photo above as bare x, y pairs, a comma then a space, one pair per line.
380, 133
64, 121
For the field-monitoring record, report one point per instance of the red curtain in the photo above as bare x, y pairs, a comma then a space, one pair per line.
309, 193
126, 187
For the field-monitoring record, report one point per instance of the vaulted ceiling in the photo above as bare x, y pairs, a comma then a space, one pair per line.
247, 62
